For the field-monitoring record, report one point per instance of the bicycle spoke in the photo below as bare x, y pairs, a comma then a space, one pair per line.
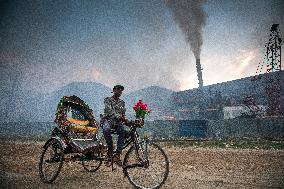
92, 165
51, 161
152, 175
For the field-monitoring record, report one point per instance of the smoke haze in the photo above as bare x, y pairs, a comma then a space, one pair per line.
47, 45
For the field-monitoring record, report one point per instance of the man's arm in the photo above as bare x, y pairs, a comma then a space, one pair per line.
122, 111
108, 111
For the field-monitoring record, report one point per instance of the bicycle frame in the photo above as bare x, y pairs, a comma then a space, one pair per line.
138, 145
132, 138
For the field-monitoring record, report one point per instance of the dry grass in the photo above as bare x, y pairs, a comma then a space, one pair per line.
189, 168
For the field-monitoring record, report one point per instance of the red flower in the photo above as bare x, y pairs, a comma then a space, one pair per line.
135, 107
141, 109
144, 106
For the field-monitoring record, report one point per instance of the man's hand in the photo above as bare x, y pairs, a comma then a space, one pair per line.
123, 118
127, 122
139, 122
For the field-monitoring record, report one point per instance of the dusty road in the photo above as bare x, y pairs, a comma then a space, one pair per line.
189, 168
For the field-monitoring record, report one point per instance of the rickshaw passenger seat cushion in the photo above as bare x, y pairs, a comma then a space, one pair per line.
78, 122
83, 129
80, 126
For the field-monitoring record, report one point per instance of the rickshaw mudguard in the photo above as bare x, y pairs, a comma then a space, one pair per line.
58, 139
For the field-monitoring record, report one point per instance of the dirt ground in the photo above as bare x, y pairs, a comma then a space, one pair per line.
189, 168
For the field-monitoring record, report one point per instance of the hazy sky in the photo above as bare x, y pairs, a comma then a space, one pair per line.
45, 45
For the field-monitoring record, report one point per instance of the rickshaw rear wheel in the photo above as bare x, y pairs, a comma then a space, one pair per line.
51, 160
91, 163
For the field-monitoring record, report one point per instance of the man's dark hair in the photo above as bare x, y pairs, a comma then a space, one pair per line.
118, 87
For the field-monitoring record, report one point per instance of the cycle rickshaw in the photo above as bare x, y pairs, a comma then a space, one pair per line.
76, 138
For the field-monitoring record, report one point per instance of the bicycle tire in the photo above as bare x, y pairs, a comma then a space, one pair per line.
56, 157
140, 177
91, 168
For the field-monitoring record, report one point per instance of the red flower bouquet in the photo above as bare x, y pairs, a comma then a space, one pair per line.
141, 109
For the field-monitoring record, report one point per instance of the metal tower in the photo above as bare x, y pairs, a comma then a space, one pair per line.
271, 65
273, 80
273, 50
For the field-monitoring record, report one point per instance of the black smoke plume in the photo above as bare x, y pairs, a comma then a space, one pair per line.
191, 18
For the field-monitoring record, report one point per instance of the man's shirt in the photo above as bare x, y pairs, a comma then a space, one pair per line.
114, 109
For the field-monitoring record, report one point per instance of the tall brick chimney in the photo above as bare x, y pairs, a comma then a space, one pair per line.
199, 73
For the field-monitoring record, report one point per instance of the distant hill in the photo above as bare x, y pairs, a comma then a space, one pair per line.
156, 97
30, 106
92, 93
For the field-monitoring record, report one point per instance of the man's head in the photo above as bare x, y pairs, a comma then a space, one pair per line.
117, 90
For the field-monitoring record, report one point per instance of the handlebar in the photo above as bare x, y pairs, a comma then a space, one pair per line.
130, 123
135, 123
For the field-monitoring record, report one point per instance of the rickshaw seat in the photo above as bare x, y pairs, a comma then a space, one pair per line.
80, 126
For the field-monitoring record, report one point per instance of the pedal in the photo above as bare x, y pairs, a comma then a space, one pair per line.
108, 163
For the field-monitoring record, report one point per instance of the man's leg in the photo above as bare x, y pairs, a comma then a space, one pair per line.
108, 137
120, 143
120, 140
